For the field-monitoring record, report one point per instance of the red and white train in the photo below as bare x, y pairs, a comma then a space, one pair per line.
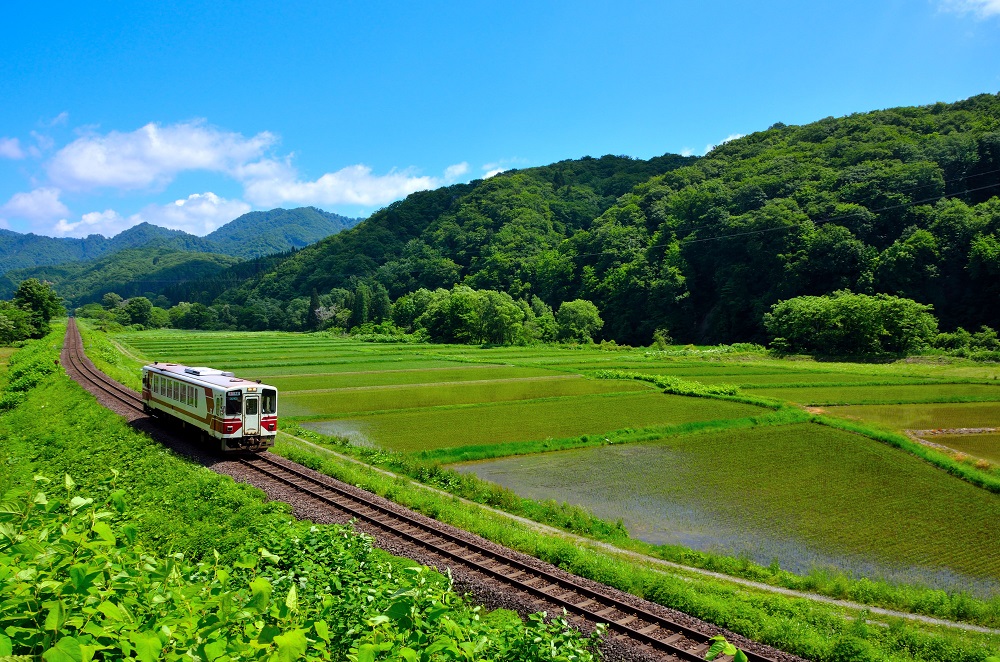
238, 414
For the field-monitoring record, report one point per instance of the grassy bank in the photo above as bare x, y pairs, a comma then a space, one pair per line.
168, 560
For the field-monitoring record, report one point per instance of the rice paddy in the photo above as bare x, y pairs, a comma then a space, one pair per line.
985, 446
807, 495
802, 494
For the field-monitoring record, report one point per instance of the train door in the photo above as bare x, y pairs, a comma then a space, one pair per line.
251, 415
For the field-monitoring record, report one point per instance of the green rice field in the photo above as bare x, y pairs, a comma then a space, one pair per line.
802, 494
502, 422
924, 416
805, 494
984, 445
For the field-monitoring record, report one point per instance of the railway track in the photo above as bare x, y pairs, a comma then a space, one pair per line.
653, 632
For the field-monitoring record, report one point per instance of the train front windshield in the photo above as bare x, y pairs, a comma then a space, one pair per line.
234, 403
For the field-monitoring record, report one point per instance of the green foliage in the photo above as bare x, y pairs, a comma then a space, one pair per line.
848, 324
166, 560
578, 320
78, 587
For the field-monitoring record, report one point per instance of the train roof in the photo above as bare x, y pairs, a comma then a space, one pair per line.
201, 374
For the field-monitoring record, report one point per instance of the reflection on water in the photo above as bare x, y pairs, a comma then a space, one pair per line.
353, 431
658, 492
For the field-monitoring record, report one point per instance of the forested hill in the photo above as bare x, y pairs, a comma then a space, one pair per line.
250, 235
901, 201
260, 233
503, 231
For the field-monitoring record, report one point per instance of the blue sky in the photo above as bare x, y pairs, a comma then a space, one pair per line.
189, 115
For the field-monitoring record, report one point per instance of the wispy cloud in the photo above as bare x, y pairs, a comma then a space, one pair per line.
271, 182
199, 214
152, 156
10, 148
732, 136
39, 205
979, 8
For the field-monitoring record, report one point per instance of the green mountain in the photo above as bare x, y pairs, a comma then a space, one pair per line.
265, 232
130, 272
250, 235
901, 201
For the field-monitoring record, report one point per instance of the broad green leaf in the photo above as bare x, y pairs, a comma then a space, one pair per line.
87, 651
292, 599
268, 556
6, 648
742, 657
147, 646
56, 616
82, 577
69, 482
111, 611
366, 653
260, 594
104, 531
408, 654
322, 630
291, 645
40, 499
215, 649
66, 649
79, 502
38, 478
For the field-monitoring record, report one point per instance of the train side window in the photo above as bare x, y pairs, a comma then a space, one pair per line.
194, 400
269, 401
251, 406
234, 403
175, 392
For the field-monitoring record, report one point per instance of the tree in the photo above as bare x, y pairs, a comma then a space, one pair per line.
139, 310
15, 323
848, 324
111, 300
41, 303
578, 320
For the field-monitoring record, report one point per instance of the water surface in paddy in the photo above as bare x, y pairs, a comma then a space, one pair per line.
662, 495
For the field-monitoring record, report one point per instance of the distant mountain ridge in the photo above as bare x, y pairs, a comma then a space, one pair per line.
251, 235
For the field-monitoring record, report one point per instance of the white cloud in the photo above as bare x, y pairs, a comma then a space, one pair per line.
981, 8
199, 214
10, 148
107, 222
454, 172
4, 224
270, 183
152, 155
42, 204
732, 136
58, 120
687, 151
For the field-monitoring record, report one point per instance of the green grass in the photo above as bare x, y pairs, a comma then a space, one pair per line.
803, 494
893, 394
385, 398
538, 419
985, 445
391, 377
924, 416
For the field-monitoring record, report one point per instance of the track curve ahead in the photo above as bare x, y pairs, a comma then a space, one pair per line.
650, 631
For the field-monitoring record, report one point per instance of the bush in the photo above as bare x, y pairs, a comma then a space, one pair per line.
848, 324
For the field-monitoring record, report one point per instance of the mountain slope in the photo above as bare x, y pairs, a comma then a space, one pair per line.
260, 233
250, 235
901, 201
130, 272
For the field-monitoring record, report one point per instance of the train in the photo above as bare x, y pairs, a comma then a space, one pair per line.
231, 414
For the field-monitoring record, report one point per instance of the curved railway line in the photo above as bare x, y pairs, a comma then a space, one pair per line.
652, 632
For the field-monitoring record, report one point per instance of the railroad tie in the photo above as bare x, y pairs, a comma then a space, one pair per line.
649, 628
626, 620
604, 612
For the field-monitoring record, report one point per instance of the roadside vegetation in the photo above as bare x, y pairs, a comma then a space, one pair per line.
112, 546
